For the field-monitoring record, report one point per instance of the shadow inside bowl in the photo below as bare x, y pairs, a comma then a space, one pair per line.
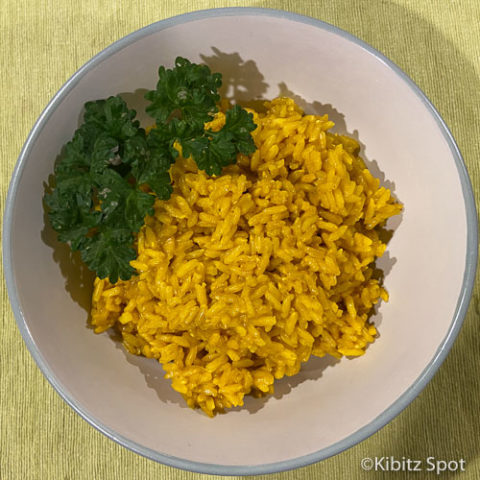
152, 371
242, 81
310, 371
78, 278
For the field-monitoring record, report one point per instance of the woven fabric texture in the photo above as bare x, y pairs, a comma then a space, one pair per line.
42, 43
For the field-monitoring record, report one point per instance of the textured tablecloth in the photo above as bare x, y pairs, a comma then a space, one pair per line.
43, 42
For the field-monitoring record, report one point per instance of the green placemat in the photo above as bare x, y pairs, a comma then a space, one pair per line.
42, 43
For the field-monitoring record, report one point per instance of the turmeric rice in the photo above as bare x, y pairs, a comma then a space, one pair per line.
244, 276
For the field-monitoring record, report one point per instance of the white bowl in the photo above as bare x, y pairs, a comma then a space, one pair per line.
430, 264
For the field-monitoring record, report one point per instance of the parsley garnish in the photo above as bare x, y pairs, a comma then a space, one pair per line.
111, 171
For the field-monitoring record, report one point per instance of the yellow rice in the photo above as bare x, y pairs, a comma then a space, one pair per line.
244, 276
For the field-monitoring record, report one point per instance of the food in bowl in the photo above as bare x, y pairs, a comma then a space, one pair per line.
242, 276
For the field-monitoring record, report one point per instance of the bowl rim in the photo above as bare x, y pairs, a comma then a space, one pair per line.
361, 434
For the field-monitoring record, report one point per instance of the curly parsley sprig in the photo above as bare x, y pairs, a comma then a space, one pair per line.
111, 171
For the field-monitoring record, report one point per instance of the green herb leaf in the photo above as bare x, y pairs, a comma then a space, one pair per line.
109, 254
111, 171
188, 88
239, 125
96, 205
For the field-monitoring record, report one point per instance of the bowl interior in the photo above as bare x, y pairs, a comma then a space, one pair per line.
261, 55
